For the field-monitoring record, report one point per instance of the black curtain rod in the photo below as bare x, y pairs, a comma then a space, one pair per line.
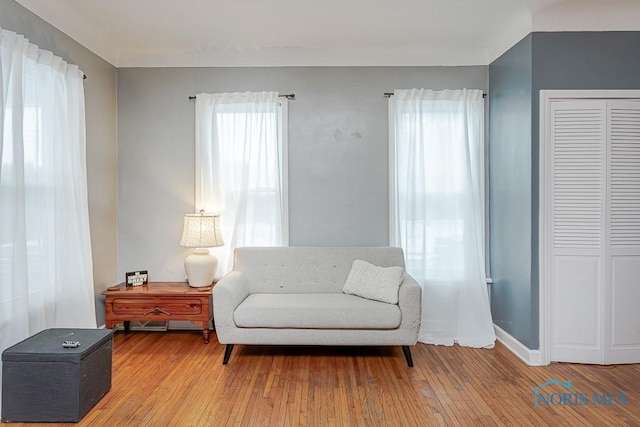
389, 94
288, 96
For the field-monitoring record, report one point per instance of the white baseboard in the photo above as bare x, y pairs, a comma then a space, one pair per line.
530, 357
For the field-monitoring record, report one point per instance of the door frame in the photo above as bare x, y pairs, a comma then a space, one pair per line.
544, 214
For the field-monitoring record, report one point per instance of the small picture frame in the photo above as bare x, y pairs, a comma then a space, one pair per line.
136, 278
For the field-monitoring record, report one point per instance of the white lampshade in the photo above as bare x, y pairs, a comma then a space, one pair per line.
201, 231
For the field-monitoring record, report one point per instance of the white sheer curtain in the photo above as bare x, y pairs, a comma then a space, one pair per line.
437, 209
241, 169
46, 272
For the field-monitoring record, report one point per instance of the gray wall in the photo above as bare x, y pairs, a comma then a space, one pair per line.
100, 99
558, 60
338, 155
510, 192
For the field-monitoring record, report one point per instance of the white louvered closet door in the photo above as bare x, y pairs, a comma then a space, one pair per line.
578, 200
595, 231
623, 335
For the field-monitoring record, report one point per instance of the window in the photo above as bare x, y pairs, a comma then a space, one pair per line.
437, 147
46, 272
432, 146
241, 168
437, 209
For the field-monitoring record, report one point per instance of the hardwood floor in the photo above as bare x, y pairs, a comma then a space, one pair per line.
173, 379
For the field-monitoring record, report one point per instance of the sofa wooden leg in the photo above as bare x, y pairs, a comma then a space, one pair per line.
407, 355
227, 354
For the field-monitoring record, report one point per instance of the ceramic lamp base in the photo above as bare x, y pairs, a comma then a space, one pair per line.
201, 268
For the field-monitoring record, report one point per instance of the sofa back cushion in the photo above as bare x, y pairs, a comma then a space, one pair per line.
307, 269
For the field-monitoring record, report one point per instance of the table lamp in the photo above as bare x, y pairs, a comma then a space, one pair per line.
201, 231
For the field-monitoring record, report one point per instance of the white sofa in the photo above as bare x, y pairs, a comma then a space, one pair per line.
294, 296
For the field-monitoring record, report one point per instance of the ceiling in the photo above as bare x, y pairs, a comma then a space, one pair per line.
171, 33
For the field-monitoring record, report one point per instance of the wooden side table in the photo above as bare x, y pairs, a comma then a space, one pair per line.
158, 301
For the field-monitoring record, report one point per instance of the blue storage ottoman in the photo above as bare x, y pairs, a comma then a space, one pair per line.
44, 382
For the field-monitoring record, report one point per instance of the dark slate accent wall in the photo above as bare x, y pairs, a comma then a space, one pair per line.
510, 192
574, 60
578, 60
558, 60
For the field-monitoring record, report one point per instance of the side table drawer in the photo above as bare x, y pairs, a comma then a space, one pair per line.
156, 306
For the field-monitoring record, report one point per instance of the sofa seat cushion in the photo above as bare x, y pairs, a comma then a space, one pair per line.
315, 311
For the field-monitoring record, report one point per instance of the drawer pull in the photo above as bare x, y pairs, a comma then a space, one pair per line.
156, 311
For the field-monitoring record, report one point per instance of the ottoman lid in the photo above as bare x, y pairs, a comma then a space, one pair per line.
46, 346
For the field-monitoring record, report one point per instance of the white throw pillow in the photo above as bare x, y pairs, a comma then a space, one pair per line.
372, 282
